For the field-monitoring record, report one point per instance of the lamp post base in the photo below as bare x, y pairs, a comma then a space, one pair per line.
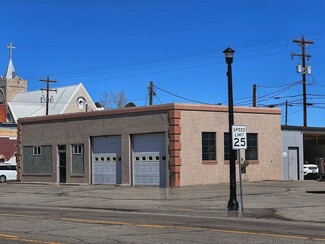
234, 214
233, 204
233, 209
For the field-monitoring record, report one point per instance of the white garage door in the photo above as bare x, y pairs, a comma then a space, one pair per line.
106, 160
149, 159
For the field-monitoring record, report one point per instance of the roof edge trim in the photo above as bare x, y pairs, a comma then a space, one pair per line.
152, 108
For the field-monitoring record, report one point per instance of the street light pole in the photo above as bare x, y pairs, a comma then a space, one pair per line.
232, 204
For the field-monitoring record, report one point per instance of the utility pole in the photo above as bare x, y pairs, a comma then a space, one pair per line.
304, 70
286, 119
286, 112
48, 92
254, 95
151, 92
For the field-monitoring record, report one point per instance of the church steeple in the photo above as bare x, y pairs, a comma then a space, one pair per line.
11, 84
10, 71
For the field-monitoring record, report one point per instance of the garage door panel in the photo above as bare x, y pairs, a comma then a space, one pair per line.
149, 164
106, 160
106, 144
149, 143
145, 168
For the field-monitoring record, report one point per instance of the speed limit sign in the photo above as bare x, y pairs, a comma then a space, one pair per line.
239, 137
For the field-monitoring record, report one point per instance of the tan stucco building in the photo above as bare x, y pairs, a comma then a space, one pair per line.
171, 144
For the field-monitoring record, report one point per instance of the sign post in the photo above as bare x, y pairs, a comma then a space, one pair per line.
239, 141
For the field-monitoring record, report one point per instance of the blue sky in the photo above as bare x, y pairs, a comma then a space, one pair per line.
122, 45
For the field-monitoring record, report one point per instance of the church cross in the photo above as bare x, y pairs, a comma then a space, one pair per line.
10, 47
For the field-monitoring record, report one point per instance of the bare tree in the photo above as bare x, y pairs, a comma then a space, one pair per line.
111, 100
107, 100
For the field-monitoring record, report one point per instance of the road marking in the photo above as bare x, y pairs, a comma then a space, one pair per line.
105, 222
18, 238
191, 228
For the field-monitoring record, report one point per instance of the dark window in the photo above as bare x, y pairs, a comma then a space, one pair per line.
77, 149
251, 151
209, 146
37, 150
226, 147
61, 147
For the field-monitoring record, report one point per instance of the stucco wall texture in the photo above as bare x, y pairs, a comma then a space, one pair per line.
183, 126
80, 131
194, 171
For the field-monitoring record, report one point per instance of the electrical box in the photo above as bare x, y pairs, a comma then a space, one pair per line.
308, 70
299, 68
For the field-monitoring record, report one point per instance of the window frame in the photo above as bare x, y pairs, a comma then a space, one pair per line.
37, 150
77, 149
250, 140
209, 141
226, 145
77, 166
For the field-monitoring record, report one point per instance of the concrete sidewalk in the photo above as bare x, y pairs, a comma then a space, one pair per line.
291, 200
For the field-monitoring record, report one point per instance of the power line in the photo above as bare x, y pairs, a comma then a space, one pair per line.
36, 111
247, 101
276, 93
298, 95
184, 98
273, 87
186, 58
158, 99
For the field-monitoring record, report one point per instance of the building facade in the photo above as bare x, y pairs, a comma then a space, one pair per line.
164, 145
301, 145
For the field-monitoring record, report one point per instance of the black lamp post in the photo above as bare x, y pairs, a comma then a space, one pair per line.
232, 204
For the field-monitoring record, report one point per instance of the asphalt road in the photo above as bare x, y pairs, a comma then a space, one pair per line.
275, 213
64, 225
